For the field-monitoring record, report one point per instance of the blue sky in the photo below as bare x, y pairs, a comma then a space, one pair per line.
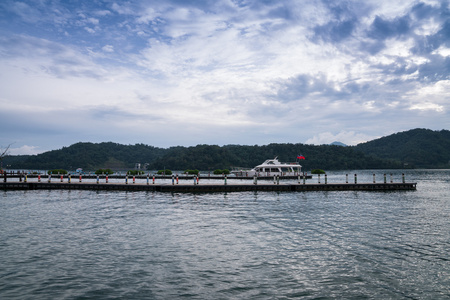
169, 73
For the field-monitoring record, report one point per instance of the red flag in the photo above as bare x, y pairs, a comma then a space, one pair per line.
300, 157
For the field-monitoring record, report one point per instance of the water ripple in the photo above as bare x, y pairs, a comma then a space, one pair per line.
258, 245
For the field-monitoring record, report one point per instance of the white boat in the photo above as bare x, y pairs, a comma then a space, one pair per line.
271, 167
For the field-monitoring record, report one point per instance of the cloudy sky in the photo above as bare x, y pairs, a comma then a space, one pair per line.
180, 72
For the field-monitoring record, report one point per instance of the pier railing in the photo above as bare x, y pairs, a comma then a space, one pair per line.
173, 184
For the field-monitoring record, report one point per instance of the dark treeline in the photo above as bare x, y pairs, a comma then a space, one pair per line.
418, 148
207, 157
89, 156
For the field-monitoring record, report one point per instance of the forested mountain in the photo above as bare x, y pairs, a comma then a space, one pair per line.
417, 148
88, 156
206, 157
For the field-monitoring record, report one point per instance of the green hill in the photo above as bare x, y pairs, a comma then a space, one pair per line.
206, 157
417, 148
89, 156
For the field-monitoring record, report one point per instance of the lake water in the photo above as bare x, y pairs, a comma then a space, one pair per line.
250, 245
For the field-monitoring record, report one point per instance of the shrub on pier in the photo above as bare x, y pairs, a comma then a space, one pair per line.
57, 171
219, 172
192, 172
318, 171
104, 171
165, 172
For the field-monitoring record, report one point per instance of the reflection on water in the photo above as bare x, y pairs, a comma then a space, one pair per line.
265, 245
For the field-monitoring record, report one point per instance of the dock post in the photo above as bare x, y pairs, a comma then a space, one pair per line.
278, 180
326, 181
318, 176
20, 177
4, 177
346, 178
403, 177
356, 179
391, 178
384, 178
373, 177
299, 177
304, 177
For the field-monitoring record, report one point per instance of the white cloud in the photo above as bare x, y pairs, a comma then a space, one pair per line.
102, 13
347, 137
431, 97
25, 11
427, 106
25, 150
427, 28
124, 9
148, 15
108, 48
93, 21
181, 73
90, 30
389, 9
443, 51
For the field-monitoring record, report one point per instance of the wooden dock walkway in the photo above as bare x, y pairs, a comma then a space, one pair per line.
208, 188
159, 177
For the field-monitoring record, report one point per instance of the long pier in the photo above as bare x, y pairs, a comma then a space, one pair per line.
207, 188
180, 177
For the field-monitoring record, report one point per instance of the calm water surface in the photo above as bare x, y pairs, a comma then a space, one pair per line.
252, 245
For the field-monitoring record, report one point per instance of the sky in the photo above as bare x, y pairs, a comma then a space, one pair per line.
219, 72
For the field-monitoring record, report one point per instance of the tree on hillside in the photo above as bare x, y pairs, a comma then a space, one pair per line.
415, 148
3, 153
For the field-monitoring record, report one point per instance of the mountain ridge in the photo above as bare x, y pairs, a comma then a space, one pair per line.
420, 147
415, 148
